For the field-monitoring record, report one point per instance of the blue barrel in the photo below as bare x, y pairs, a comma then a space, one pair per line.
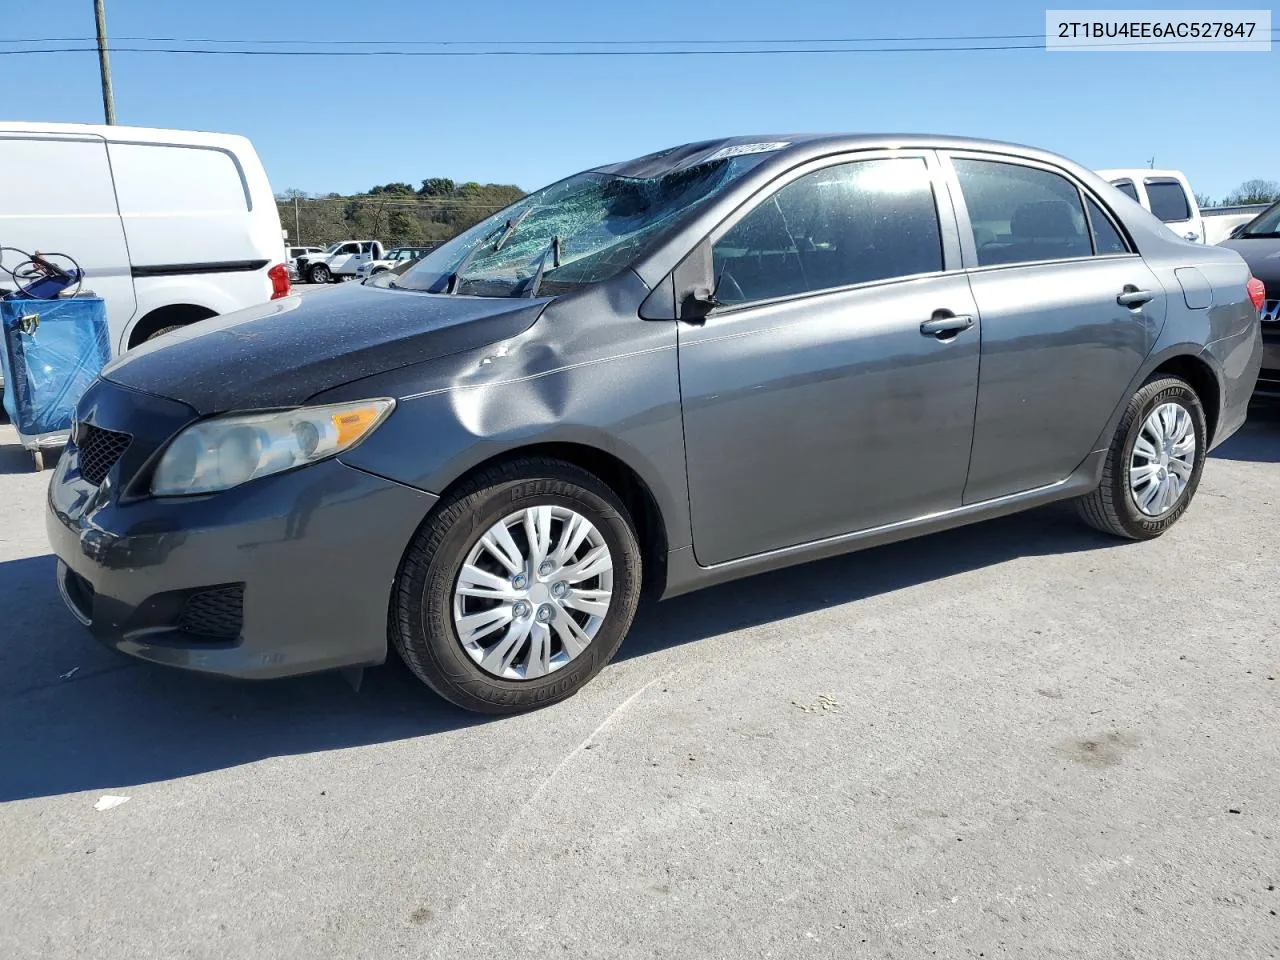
53, 350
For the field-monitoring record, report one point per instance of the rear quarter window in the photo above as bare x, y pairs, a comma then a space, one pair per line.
161, 179
1168, 200
1128, 189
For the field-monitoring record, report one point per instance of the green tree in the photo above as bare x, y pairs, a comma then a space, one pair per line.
404, 229
394, 189
1255, 191
395, 212
436, 187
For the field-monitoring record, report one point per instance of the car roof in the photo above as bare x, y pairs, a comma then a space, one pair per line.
688, 155
1140, 173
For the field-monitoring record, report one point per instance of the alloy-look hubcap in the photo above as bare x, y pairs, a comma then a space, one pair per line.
1163, 459
533, 592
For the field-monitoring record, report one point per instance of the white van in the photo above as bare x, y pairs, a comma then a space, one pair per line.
170, 226
1165, 193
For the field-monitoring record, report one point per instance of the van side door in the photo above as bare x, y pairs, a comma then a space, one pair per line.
57, 196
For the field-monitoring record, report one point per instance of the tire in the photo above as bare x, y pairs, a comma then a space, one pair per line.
319, 273
424, 603
1114, 506
163, 330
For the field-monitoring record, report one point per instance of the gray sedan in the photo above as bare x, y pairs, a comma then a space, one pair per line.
702, 364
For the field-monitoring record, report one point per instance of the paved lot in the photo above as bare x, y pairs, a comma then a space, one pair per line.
1018, 739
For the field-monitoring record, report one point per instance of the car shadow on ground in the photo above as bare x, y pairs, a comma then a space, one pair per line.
1258, 441
115, 722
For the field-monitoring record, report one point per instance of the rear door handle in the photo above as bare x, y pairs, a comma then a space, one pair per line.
946, 327
1131, 296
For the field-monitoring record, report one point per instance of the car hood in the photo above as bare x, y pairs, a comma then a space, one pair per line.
1263, 256
281, 353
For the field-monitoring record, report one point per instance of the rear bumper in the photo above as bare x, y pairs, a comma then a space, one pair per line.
284, 575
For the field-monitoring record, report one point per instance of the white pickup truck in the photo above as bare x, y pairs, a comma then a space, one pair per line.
1165, 193
340, 261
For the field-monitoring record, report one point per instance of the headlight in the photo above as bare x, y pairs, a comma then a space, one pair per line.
226, 451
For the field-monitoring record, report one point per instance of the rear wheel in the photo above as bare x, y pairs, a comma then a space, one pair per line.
1154, 465
519, 589
319, 274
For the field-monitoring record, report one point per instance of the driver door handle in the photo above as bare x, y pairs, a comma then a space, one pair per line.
944, 327
1131, 296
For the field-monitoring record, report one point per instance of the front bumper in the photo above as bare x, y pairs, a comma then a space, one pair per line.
284, 575
1269, 376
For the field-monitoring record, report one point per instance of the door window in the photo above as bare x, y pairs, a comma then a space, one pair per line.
1168, 200
1022, 214
852, 223
350, 248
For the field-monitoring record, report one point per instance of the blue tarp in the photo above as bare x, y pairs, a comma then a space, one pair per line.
53, 350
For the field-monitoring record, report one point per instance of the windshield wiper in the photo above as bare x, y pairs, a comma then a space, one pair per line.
456, 277
503, 234
553, 251
511, 228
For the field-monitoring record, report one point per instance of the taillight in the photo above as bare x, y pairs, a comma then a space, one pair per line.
279, 275
1257, 292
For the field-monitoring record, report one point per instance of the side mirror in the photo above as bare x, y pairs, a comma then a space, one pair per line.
697, 304
694, 282
1236, 231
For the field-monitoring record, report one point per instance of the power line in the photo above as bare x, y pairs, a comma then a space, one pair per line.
580, 53
523, 43
674, 42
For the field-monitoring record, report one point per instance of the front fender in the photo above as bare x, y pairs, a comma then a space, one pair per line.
626, 407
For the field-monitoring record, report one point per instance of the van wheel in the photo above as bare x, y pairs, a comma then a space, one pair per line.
519, 588
1154, 465
319, 274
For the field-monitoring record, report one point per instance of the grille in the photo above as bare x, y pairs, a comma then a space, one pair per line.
1271, 311
214, 613
99, 450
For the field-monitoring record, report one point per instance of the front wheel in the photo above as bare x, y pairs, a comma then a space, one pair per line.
1154, 464
319, 274
519, 589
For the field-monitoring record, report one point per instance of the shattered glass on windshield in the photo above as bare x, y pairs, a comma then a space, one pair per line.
578, 231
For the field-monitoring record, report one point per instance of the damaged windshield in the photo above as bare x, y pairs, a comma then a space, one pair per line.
578, 231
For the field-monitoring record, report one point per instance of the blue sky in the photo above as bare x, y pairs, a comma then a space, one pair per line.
342, 124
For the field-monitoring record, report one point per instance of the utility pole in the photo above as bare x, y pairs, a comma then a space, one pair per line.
1151, 163
297, 223
104, 64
